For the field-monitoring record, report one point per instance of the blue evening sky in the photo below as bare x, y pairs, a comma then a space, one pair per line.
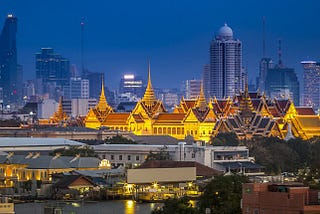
120, 35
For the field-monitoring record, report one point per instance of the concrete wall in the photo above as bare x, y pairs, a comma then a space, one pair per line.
150, 175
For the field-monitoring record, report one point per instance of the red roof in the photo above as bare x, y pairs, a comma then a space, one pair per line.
305, 111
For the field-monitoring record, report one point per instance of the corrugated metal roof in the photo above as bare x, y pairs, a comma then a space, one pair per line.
35, 142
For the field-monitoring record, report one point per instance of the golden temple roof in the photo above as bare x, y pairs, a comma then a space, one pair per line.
59, 115
201, 103
102, 105
149, 97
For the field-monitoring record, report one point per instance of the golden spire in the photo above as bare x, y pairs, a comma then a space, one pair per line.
60, 109
149, 98
246, 106
102, 104
59, 115
201, 102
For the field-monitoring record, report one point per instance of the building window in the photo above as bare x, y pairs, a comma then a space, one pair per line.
169, 130
112, 157
120, 157
154, 130
103, 156
159, 130
164, 130
137, 158
182, 130
129, 157
178, 130
193, 155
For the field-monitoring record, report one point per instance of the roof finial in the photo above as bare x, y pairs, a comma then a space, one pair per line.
201, 102
149, 96
102, 104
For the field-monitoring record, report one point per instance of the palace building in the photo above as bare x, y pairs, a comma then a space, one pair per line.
247, 115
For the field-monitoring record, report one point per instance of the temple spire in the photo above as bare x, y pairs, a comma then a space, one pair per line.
102, 104
201, 102
149, 97
246, 106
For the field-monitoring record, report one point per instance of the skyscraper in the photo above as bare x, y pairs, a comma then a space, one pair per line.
77, 88
282, 82
192, 88
265, 65
8, 60
51, 69
130, 83
311, 84
225, 64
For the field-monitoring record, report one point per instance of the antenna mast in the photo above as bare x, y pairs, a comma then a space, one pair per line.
83, 73
263, 36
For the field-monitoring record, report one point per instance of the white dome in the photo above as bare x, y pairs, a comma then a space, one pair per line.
225, 32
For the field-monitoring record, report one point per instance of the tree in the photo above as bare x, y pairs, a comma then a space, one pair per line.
163, 154
119, 139
223, 195
226, 139
176, 206
85, 151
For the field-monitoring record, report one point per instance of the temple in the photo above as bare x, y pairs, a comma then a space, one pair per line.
248, 115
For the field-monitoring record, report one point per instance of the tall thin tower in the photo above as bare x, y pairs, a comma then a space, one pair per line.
264, 37
83, 72
265, 62
8, 60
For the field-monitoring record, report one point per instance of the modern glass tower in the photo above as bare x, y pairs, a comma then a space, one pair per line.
311, 84
225, 64
8, 60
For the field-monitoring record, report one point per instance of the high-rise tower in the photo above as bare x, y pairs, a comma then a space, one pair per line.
52, 69
311, 84
8, 60
266, 63
225, 64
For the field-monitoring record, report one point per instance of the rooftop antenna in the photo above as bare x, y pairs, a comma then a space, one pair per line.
263, 36
280, 53
83, 73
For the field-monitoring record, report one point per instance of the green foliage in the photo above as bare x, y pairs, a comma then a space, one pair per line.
85, 151
163, 154
226, 139
278, 155
119, 139
223, 195
176, 206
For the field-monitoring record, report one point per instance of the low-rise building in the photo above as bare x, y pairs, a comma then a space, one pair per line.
224, 158
287, 198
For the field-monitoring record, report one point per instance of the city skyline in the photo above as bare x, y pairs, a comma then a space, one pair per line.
118, 37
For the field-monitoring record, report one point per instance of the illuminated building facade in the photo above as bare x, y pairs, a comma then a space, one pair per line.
225, 64
132, 84
247, 114
311, 84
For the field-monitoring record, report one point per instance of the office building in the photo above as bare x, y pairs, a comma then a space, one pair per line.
95, 79
192, 88
205, 79
77, 88
8, 61
311, 84
52, 70
282, 82
132, 84
78, 107
225, 65
264, 66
